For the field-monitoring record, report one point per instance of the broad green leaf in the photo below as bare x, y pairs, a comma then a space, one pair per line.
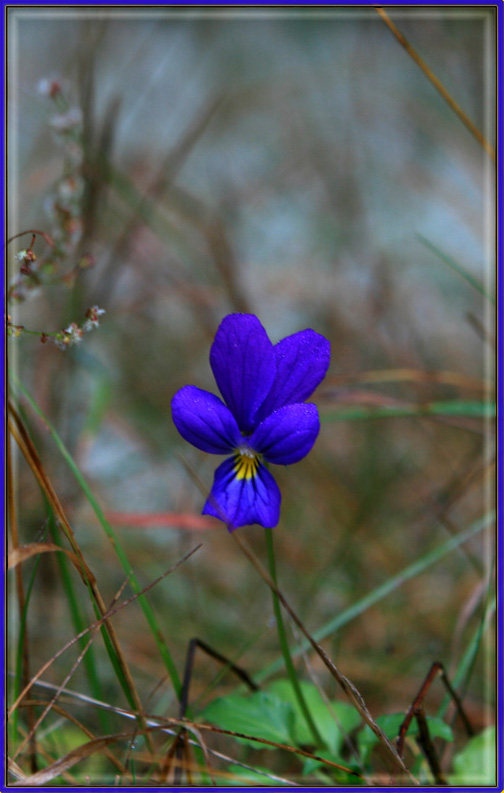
333, 720
390, 724
476, 763
259, 714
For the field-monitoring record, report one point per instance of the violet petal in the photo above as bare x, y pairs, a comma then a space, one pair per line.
243, 363
205, 421
302, 361
242, 502
288, 434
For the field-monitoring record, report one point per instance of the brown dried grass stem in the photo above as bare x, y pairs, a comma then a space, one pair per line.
437, 83
22, 438
71, 718
110, 613
24, 640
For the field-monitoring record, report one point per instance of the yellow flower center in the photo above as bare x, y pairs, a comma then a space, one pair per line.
246, 463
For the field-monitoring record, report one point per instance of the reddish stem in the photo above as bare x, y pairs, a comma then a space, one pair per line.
43, 234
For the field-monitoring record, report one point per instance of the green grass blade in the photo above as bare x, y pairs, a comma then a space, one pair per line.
456, 266
383, 590
465, 667
19, 649
123, 559
145, 208
79, 624
455, 408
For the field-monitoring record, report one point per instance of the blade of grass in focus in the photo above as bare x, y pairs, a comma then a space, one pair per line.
19, 650
22, 657
382, 591
79, 623
123, 559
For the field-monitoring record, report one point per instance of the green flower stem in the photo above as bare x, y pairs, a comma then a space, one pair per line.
390, 585
282, 637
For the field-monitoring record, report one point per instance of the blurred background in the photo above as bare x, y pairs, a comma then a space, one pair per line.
298, 165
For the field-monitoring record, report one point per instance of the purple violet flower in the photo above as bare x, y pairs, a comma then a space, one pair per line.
264, 419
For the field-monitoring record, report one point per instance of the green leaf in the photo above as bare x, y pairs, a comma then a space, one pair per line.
334, 720
391, 723
248, 777
475, 764
259, 714
337, 775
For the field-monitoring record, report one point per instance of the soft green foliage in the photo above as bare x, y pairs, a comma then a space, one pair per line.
259, 714
475, 764
334, 720
390, 724
335, 775
61, 742
244, 777
276, 716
